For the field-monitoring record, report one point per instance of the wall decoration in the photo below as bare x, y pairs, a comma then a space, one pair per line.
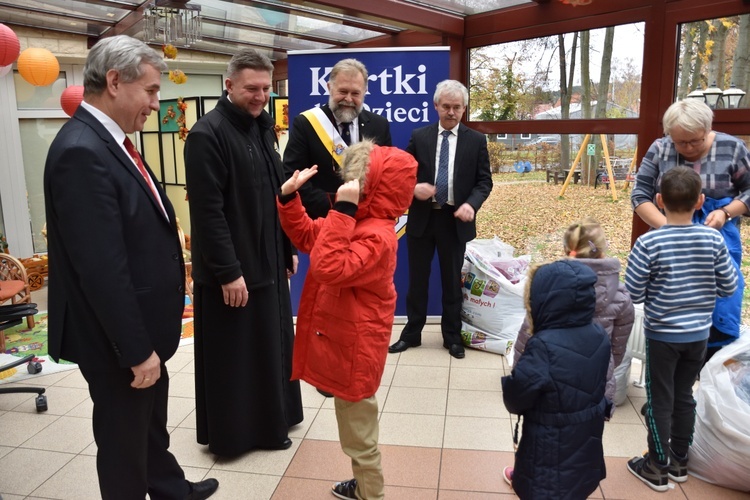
10, 47
38, 66
168, 116
71, 98
281, 112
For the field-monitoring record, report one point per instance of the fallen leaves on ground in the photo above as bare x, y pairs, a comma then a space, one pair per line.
531, 217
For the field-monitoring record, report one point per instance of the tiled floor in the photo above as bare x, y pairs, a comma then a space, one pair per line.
444, 434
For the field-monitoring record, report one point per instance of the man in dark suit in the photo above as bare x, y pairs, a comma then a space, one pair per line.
453, 180
116, 272
341, 122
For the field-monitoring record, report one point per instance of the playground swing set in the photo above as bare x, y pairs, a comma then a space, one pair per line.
629, 176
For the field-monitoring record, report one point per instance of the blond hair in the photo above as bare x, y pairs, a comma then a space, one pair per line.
585, 240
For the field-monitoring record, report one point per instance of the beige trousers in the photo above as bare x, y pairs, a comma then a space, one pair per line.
358, 434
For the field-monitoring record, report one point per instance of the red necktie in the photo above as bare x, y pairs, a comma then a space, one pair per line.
142, 168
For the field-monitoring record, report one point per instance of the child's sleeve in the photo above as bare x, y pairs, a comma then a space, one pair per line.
637, 272
298, 226
529, 378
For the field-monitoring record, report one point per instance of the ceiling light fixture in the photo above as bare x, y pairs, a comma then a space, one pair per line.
173, 22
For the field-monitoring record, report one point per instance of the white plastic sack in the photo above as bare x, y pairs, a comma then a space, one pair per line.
720, 452
493, 309
477, 339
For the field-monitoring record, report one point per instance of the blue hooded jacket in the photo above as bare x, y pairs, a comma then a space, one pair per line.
558, 386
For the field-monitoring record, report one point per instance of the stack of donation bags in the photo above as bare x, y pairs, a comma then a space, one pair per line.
493, 288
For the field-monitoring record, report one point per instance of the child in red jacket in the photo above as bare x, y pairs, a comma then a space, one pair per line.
348, 300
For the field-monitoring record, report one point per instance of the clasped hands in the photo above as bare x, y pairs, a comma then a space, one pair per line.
424, 191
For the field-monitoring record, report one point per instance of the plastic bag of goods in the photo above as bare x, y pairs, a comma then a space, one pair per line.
720, 452
622, 378
493, 286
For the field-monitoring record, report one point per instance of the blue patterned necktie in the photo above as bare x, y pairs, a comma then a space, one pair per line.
345, 134
441, 183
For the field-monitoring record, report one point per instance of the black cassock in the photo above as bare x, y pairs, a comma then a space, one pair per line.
243, 355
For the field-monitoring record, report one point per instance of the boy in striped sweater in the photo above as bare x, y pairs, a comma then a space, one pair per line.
676, 271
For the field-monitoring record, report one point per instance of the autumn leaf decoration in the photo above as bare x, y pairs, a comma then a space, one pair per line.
177, 76
183, 130
170, 51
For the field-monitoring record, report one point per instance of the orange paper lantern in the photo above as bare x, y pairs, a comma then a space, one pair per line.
38, 66
71, 98
9, 46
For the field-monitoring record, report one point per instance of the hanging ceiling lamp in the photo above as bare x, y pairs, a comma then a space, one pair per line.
10, 47
38, 66
173, 22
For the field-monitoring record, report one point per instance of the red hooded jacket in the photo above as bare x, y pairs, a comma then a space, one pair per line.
348, 300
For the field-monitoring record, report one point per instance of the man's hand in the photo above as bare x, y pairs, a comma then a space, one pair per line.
147, 373
349, 191
297, 179
295, 263
424, 191
235, 293
465, 213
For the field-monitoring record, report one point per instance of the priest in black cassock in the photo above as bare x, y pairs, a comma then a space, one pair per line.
241, 260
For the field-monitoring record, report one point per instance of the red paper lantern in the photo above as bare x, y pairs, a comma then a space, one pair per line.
9, 46
71, 98
38, 66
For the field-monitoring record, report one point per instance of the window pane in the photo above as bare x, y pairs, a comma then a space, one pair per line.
532, 152
36, 137
714, 55
521, 80
196, 85
29, 96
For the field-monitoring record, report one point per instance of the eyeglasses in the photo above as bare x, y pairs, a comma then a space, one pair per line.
694, 143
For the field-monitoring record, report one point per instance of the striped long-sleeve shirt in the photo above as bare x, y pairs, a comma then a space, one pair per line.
677, 272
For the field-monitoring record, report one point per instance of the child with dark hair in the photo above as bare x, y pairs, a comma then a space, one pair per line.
558, 386
676, 271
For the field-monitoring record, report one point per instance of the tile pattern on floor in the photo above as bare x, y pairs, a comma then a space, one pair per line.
444, 434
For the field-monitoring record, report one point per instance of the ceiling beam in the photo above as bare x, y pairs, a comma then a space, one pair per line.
394, 12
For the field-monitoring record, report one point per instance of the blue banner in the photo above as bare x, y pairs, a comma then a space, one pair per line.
400, 87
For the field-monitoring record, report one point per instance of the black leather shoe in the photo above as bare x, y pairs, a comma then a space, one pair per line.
324, 393
402, 345
455, 350
284, 445
202, 489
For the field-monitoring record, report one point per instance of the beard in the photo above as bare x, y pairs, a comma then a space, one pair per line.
344, 112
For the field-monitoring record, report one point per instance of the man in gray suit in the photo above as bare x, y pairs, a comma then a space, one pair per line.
453, 180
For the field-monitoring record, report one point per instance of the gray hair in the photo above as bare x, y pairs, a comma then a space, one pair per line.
348, 66
121, 53
249, 59
691, 115
451, 87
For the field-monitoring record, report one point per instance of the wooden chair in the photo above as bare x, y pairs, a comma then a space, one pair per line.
14, 286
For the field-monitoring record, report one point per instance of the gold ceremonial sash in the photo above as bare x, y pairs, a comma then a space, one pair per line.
328, 133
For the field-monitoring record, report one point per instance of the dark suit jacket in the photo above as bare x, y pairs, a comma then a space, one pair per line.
472, 178
304, 150
116, 274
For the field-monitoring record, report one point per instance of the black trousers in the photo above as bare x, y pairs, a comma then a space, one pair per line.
671, 371
440, 235
130, 429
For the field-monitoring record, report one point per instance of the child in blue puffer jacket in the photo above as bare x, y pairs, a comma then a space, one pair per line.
558, 387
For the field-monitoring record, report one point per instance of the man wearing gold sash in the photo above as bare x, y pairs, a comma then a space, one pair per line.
320, 135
